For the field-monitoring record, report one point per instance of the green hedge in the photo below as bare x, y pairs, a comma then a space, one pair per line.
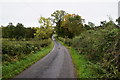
12, 69
14, 50
65, 40
102, 47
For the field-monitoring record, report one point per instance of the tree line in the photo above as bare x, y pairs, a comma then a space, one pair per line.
61, 23
18, 31
71, 25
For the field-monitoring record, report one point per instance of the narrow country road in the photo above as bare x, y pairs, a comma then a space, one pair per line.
57, 64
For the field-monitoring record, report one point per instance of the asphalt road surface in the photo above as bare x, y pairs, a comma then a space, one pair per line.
57, 64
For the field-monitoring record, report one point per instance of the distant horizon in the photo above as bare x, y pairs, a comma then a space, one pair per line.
28, 13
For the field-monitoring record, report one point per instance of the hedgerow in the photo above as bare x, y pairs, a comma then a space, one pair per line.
15, 50
101, 45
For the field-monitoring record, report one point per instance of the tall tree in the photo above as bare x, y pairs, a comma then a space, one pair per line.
72, 25
29, 32
19, 31
45, 31
8, 31
58, 18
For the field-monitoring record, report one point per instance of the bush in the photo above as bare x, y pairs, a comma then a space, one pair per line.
67, 41
14, 50
101, 46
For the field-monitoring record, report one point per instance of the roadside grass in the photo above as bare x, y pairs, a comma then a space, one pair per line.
14, 68
83, 67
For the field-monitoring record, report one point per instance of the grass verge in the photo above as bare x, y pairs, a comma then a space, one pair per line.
12, 69
83, 67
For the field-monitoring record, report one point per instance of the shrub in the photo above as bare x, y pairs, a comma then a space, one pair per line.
14, 50
67, 41
101, 46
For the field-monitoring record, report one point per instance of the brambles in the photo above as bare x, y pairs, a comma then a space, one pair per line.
101, 45
11, 69
65, 40
15, 50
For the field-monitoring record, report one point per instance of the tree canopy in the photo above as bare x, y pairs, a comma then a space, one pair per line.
45, 31
17, 32
72, 25
67, 25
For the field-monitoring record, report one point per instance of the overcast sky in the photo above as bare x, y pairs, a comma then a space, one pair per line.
28, 12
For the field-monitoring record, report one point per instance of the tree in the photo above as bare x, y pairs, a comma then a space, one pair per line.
19, 31
45, 31
58, 18
8, 31
72, 25
45, 22
29, 32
